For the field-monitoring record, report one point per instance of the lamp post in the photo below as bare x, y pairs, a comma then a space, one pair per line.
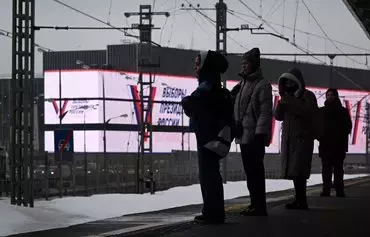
85, 66
85, 108
105, 143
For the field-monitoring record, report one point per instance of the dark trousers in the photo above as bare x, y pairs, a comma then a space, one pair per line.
211, 184
300, 187
328, 165
252, 156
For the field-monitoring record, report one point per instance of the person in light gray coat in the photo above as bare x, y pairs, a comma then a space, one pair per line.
296, 109
253, 120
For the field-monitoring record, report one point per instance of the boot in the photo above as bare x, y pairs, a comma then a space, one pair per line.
253, 211
297, 205
300, 202
209, 221
325, 193
340, 193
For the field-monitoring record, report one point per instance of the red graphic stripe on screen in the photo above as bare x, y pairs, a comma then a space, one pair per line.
137, 104
68, 137
56, 108
64, 108
152, 96
276, 101
357, 123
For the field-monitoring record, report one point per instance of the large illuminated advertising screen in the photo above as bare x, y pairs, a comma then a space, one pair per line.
83, 85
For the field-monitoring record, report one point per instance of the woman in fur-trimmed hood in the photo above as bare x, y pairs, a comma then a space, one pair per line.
296, 109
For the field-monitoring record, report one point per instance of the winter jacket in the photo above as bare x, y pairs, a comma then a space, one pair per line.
210, 107
297, 128
253, 102
337, 127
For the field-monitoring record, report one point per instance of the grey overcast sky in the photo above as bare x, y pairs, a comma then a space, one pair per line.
193, 31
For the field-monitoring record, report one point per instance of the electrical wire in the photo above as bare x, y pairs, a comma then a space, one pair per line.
200, 26
228, 36
270, 12
172, 24
110, 11
323, 62
164, 25
201, 13
9, 34
251, 10
95, 18
295, 20
327, 36
302, 31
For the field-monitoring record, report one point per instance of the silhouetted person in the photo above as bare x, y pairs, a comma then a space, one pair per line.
334, 142
253, 118
296, 109
210, 110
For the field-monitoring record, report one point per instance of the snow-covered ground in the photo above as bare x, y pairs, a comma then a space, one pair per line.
69, 211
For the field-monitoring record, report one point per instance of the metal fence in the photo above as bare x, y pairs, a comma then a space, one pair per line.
179, 168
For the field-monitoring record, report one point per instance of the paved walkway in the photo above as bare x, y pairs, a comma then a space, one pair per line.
327, 217
347, 215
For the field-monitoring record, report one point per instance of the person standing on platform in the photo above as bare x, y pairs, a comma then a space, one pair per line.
252, 98
210, 110
334, 142
296, 108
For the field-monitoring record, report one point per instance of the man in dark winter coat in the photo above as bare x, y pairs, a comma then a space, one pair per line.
210, 110
334, 142
296, 109
253, 118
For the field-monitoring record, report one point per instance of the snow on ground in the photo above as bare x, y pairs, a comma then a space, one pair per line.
68, 211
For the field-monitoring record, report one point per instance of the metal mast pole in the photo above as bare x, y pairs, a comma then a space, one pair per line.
144, 170
21, 151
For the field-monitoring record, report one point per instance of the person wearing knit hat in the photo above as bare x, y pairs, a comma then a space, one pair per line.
297, 109
252, 98
210, 110
334, 142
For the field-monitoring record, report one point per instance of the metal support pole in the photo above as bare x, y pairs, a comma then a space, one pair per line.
367, 132
60, 174
221, 46
85, 155
331, 57
21, 142
105, 162
145, 124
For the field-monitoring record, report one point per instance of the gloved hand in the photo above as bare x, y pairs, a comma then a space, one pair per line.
235, 89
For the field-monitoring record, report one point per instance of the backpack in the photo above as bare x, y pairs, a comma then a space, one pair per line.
222, 143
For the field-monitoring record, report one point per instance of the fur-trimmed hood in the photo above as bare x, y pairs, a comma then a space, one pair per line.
295, 75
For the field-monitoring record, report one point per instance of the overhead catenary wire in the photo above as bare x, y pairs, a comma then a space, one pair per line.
323, 62
272, 10
9, 34
110, 11
301, 31
228, 36
295, 20
251, 10
201, 13
200, 26
327, 36
94, 18
172, 25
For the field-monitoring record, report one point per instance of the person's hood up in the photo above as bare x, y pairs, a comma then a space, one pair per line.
212, 65
253, 57
295, 75
336, 103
